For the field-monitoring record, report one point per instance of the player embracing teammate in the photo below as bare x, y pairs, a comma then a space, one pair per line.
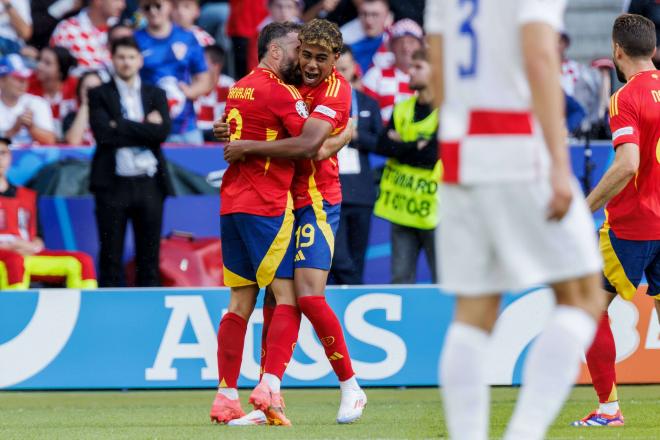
316, 200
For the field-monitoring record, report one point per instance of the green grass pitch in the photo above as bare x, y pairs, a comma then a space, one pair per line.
392, 413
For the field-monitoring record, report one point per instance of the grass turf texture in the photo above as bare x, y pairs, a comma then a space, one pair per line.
392, 413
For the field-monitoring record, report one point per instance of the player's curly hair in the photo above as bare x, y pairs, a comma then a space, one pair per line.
635, 34
324, 33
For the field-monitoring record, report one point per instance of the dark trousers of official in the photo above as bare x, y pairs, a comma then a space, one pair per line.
140, 200
351, 244
407, 243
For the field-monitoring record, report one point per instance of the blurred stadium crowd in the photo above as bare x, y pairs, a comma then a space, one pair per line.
52, 52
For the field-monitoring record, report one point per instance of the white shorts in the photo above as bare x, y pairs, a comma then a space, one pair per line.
495, 238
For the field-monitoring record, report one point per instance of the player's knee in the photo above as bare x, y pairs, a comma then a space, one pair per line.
242, 301
585, 293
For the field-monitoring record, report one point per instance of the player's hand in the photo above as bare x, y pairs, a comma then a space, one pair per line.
562, 194
235, 151
221, 130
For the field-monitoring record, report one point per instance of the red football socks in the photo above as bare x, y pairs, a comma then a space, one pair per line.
231, 336
329, 331
281, 339
601, 358
268, 317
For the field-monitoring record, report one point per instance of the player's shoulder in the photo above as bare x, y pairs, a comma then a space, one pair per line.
279, 89
335, 86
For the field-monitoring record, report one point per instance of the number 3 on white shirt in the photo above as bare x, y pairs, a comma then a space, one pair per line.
466, 30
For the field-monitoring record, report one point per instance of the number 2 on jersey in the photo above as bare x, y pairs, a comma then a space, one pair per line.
235, 115
466, 30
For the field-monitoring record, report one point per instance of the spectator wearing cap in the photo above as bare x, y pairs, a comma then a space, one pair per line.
86, 34
282, 11
15, 25
389, 85
174, 61
367, 34
54, 83
185, 14
26, 118
211, 107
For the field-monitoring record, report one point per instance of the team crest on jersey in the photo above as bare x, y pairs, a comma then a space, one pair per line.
301, 108
180, 49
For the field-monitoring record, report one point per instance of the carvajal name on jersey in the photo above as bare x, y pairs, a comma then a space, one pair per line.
246, 93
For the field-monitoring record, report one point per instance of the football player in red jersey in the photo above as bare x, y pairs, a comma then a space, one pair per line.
257, 219
317, 199
630, 192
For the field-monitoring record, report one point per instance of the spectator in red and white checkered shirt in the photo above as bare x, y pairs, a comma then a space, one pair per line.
53, 82
389, 85
185, 14
86, 34
212, 106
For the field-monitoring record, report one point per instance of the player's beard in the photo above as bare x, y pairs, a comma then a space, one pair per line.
291, 74
619, 74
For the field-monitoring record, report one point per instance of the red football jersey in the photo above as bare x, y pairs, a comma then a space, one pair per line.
330, 101
18, 215
634, 213
261, 107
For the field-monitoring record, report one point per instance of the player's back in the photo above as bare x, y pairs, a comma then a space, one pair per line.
331, 102
261, 107
486, 124
634, 213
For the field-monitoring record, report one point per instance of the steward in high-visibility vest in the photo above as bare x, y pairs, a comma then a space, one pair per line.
22, 254
408, 194
410, 179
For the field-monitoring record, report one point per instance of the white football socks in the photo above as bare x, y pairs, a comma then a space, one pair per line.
608, 408
272, 381
349, 385
463, 378
550, 371
229, 393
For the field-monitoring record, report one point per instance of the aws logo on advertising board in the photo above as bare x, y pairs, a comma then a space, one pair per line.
193, 310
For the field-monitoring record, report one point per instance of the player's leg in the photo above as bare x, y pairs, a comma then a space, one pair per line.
468, 267
463, 369
317, 226
268, 310
624, 262
239, 275
269, 242
565, 255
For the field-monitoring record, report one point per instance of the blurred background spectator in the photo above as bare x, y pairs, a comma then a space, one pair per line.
15, 25
339, 11
174, 61
651, 10
357, 181
410, 142
281, 11
244, 18
54, 83
389, 85
211, 106
86, 34
367, 34
46, 14
25, 118
185, 14
129, 179
75, 124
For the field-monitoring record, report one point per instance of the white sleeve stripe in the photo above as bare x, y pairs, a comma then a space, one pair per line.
623, 131
325, 111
